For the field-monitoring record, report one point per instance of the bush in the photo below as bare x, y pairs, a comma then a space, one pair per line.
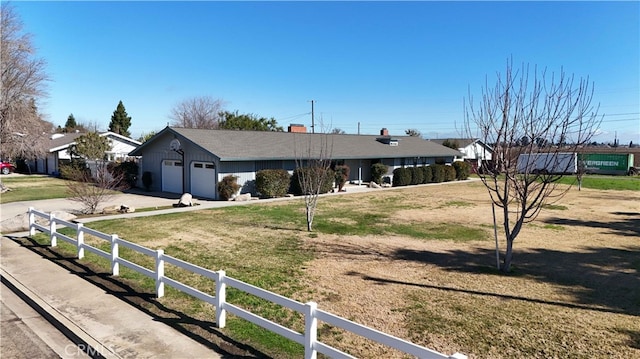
127, 170
341, 175
377, 171
417, 175
449, 173
427, 174
75, 170
228, 187
462, 170
327, 181
438, 173
401, 177
272, 182
147, 180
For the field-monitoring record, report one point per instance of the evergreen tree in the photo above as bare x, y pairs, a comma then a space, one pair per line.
70, 125
120, 121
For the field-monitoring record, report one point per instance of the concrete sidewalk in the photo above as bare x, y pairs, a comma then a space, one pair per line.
112, 327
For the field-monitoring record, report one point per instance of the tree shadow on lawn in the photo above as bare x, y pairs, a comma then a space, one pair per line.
203, 332
629, 226
602, 279
599, 278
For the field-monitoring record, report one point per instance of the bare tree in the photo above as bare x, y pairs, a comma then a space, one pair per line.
555, 109
313, 169
198, 112
93, 187
91, 181
23, 132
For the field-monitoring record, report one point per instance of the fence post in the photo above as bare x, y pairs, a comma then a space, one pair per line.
310, 330
115, 267
80, 240
52, 230
159, 273
32, 221
221, 293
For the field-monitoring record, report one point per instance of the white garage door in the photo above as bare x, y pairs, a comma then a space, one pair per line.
203, 179
172, 176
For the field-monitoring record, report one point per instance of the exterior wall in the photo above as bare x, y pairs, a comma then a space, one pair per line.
154, 154
476, 152
119, 150
359, 170
245, 171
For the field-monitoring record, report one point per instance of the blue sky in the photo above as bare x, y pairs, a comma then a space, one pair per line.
397, 65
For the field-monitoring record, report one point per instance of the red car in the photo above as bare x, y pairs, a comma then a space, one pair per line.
6, 168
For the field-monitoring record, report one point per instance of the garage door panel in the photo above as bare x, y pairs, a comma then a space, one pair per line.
172, 176
203, 179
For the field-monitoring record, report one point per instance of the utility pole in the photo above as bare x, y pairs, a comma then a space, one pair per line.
313, 126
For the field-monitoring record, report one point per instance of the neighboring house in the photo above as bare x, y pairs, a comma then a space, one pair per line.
195, 160
60, 144
475, 151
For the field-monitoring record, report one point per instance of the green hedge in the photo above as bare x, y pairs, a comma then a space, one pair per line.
463, 169
427, 174
417, 175
401, 177
273, 182
377, 171
438, 173
327, 183
449, 173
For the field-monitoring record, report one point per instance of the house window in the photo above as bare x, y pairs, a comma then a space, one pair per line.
209, 166
197, 165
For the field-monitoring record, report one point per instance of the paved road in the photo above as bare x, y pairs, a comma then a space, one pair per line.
27, 334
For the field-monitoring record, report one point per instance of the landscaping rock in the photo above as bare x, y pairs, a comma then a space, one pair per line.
243, 197
186, 200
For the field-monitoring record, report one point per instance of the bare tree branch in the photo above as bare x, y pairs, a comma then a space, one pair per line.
23, 132
536, 117
198, 112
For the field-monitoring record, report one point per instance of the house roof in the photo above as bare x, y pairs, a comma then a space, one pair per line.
462, 142
232, 145
58, 142
61, 141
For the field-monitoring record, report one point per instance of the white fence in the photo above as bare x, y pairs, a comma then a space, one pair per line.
310, 310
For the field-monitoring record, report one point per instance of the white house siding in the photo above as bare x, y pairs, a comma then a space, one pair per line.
119, 150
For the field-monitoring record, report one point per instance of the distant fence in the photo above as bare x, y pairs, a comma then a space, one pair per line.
310, 310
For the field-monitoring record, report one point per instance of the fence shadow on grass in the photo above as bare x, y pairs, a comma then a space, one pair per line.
201, 331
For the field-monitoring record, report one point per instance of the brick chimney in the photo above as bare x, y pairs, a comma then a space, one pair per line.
297, 128
384, 132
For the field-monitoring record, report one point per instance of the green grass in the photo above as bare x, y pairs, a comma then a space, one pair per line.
556, 207
31, 188
601, 182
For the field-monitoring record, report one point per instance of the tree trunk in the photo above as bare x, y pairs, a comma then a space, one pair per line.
309, 219
506, 267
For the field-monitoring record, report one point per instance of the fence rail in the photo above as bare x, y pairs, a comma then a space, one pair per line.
309, 310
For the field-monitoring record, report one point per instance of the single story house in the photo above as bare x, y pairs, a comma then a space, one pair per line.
475, 151
60, 144
192, 160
